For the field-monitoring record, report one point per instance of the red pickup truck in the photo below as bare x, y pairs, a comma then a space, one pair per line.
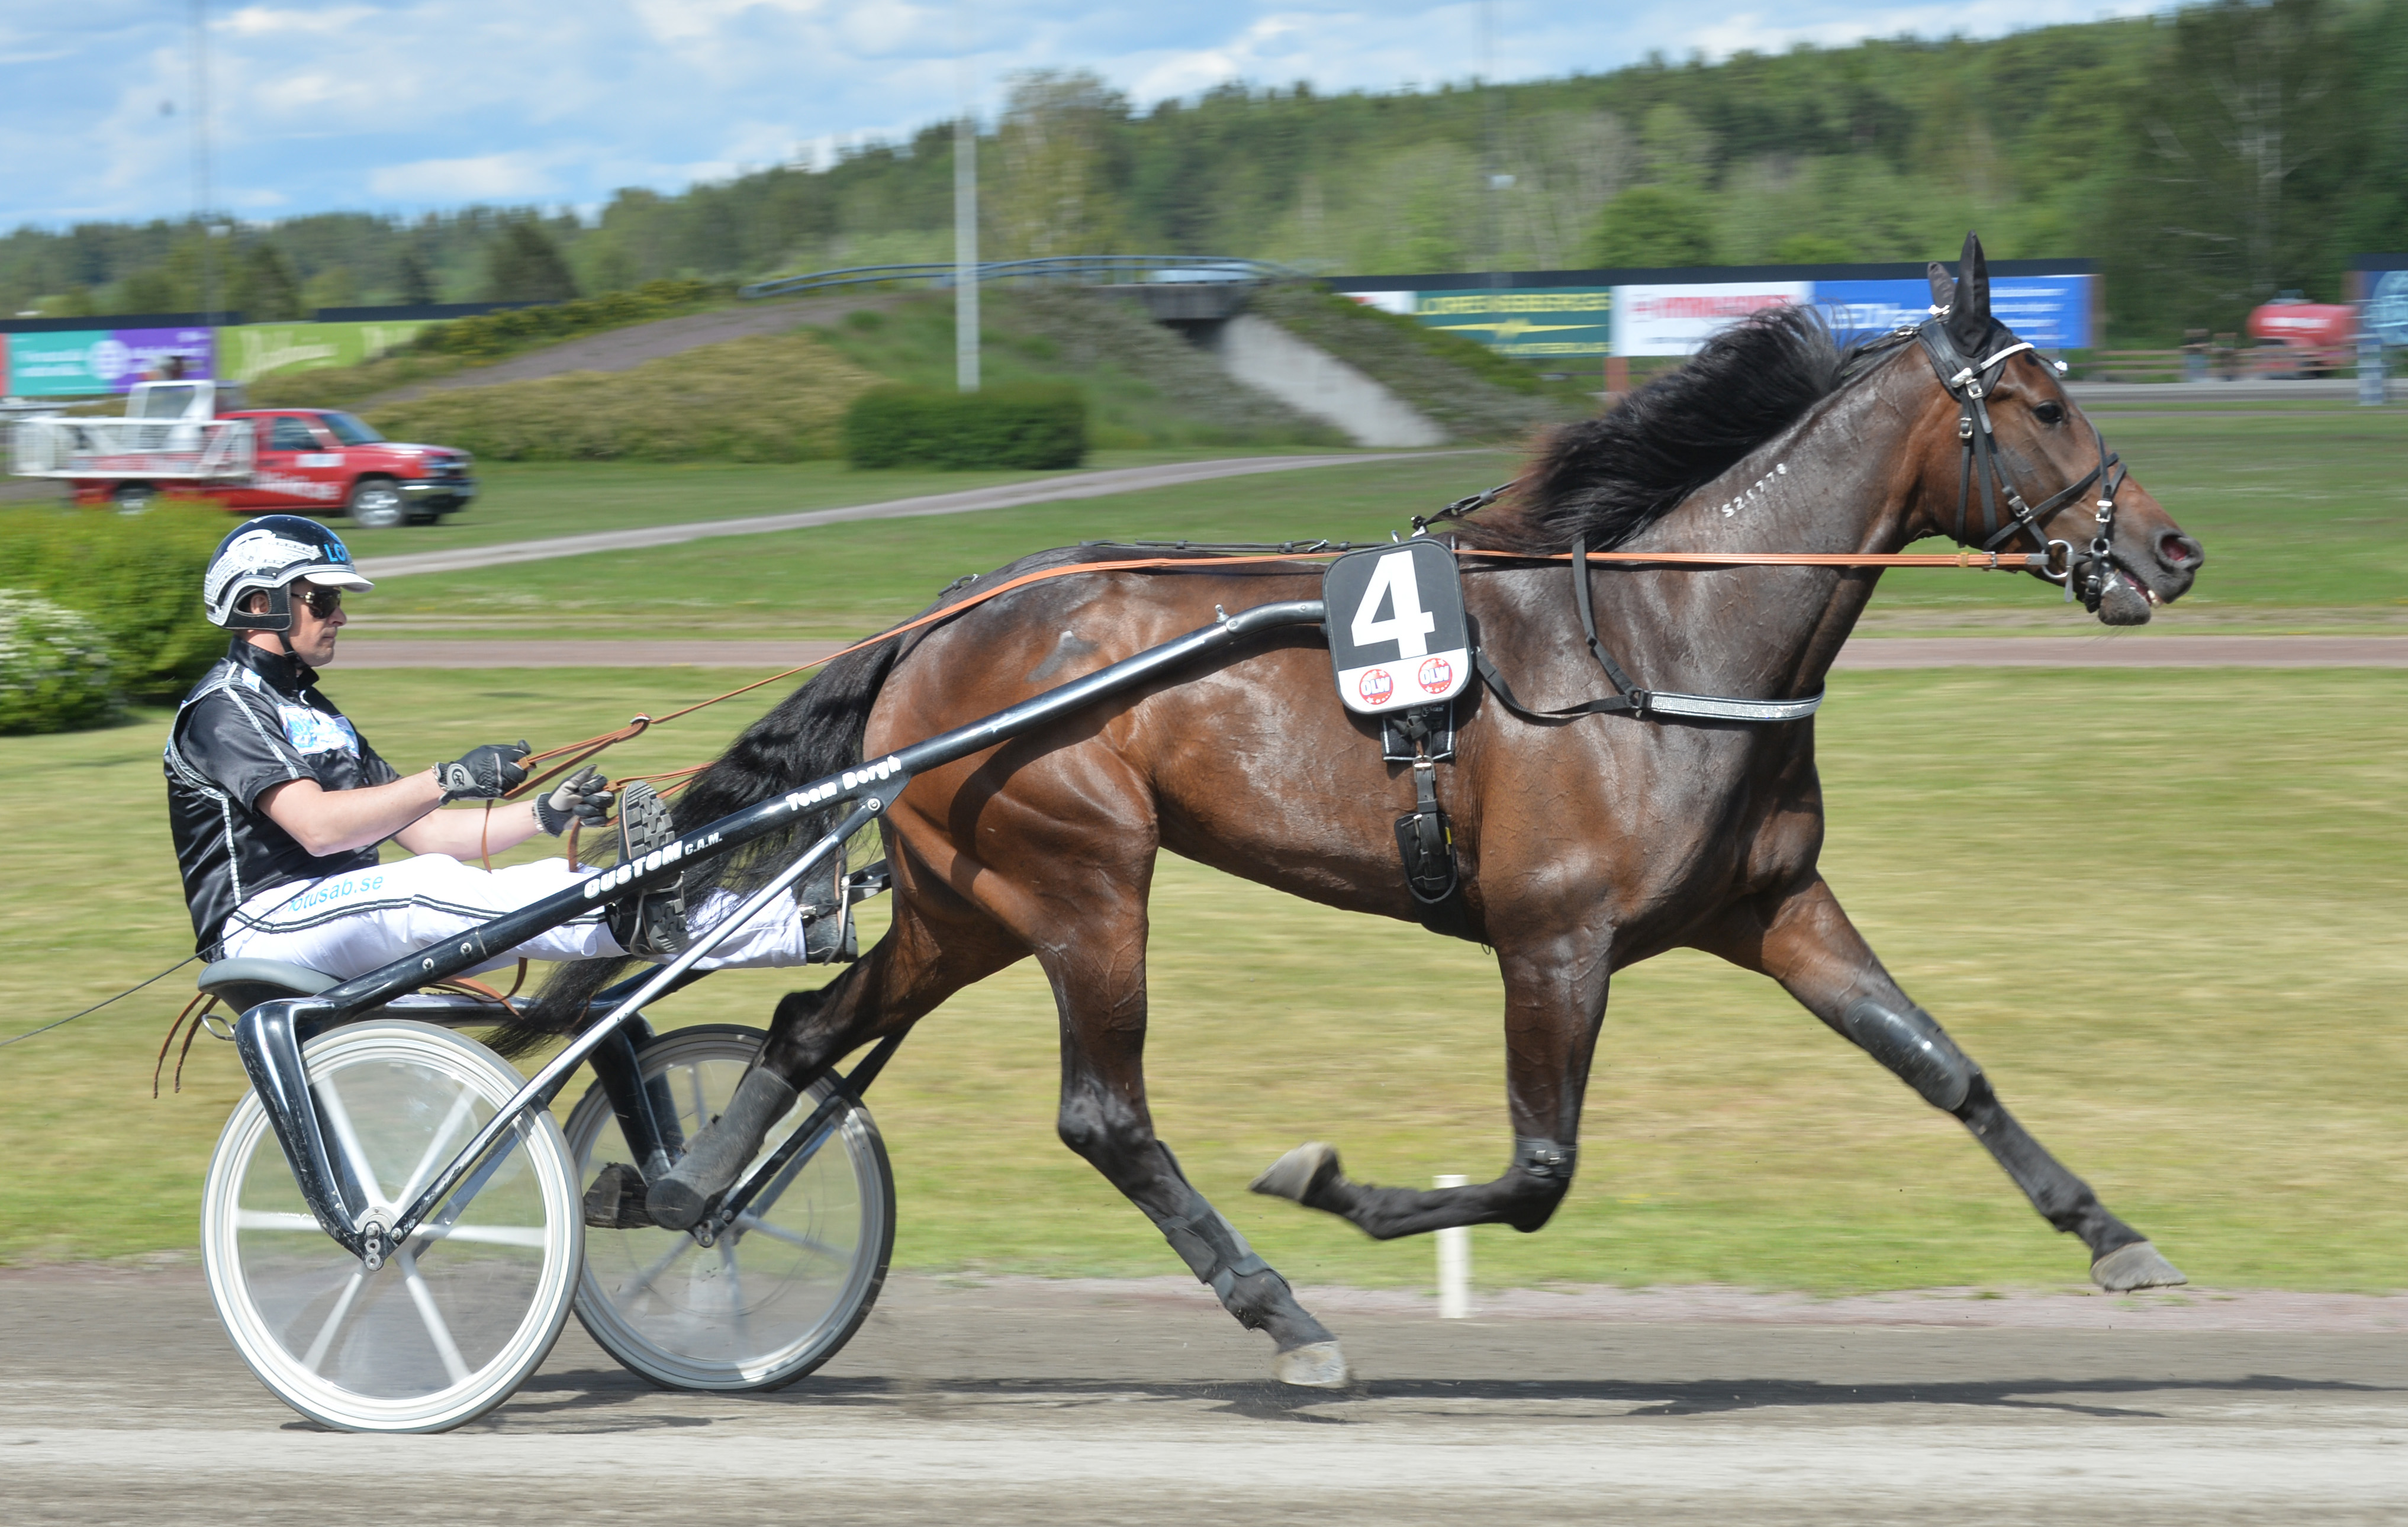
179, 438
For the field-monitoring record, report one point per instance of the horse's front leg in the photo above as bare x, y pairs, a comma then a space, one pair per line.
1099, 976
1803, 940
1554, 999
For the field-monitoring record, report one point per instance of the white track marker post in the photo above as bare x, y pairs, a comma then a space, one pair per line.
1454, 1259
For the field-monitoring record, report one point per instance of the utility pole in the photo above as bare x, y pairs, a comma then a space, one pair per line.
1493, 179
201, 190
965, 249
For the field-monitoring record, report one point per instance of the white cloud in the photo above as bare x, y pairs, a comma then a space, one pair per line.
487, 178
277, 22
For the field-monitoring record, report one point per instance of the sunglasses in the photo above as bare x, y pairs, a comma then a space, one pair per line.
322, 602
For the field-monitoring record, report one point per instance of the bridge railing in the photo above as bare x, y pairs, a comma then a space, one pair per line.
1070, 269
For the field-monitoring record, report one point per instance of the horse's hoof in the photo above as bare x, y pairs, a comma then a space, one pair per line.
1317, 1364
1297, 1173
2135, 1266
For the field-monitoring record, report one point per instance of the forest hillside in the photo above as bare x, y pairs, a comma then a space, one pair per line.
2209, 158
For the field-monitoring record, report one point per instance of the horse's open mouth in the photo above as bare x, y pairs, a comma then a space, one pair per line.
2127, 598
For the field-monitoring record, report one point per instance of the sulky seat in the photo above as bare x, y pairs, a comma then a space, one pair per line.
244, 983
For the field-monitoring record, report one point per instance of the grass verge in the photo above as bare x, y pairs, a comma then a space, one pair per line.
853, 578
2305, 522
1144, 385
2171, 939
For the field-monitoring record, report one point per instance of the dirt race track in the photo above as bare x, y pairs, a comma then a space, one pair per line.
1023, 1402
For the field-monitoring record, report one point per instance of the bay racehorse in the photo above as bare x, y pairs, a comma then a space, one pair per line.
1587, 843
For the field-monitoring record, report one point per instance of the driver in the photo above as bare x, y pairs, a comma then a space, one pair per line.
278, 806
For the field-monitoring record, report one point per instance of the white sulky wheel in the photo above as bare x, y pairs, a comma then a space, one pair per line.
789, 1283
457, 1317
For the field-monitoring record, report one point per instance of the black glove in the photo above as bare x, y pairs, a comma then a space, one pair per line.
584, 796
482, 773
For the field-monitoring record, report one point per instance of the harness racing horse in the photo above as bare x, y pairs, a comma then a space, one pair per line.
1588, 842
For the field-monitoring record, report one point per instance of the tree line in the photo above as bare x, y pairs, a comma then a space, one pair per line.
2211, 159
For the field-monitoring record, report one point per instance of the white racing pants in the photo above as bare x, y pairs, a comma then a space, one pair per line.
348, 925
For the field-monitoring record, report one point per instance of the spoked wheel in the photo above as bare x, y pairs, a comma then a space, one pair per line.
793, 1278
459, 1315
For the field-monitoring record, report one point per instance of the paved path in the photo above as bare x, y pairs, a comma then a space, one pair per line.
1127, 480
1026, 1401
2256, 390
1865, 652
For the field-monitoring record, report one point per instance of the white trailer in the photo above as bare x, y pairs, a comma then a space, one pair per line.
170, 434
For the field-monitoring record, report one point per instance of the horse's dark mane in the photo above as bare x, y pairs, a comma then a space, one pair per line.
1609, 478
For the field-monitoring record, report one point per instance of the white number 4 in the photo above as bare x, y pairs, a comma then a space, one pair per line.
1392, 575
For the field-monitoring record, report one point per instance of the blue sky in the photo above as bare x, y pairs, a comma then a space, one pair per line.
408, 105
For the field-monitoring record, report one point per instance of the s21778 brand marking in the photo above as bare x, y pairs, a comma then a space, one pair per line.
868, 774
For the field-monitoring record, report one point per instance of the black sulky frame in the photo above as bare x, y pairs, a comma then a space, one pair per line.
270, 1035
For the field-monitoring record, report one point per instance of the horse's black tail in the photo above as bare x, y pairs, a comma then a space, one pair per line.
815, 732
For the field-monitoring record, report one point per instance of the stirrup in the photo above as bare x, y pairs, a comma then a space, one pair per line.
651, 926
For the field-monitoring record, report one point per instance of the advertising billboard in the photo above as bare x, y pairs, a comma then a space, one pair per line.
1534, 325
81, 362
2387, 306
1538, 314
254, 351
2052, 312
1676, 320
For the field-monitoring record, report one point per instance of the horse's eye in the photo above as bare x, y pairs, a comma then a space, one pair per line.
2050, 413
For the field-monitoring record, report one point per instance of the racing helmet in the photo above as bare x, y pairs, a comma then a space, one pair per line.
271, 553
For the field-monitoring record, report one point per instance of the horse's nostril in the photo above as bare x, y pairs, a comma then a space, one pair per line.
2179, 552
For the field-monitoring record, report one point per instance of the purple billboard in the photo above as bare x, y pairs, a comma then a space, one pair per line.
79, 363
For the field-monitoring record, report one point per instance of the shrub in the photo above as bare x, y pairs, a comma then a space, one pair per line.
137, 578
1026, 425
54, 670
769, 398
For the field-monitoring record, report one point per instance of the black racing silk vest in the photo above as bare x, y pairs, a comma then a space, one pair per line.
253, 722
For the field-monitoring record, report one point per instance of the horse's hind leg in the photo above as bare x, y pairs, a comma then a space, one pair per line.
1806, 942
936, 945
1555, 984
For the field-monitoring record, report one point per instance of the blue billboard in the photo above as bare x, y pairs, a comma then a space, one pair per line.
2051, 311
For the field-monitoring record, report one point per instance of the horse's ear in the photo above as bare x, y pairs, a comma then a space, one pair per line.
1943, 286
1969, 317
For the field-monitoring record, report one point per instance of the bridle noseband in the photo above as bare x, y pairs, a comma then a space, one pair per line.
1971, 384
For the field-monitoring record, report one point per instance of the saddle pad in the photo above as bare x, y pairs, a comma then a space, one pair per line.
1397, 638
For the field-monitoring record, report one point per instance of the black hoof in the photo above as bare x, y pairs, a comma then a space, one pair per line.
616, 1200
1300, 1174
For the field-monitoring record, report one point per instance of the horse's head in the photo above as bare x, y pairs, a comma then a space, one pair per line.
2021, 469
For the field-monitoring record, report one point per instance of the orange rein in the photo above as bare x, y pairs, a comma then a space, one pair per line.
1986, 562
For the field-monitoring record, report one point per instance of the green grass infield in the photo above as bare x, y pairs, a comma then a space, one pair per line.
2304, 518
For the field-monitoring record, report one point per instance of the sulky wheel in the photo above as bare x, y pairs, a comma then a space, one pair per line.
788, 1284
459, 1315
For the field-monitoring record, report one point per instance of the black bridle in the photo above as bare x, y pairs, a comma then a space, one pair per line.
1971, 382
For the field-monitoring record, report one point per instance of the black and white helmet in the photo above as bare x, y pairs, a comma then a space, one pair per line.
270, 553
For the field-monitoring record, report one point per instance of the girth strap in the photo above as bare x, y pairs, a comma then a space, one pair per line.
1628, 696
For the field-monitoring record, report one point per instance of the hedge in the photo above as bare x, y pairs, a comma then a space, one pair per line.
490, 335
136, 578
54, 670
1026, 425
